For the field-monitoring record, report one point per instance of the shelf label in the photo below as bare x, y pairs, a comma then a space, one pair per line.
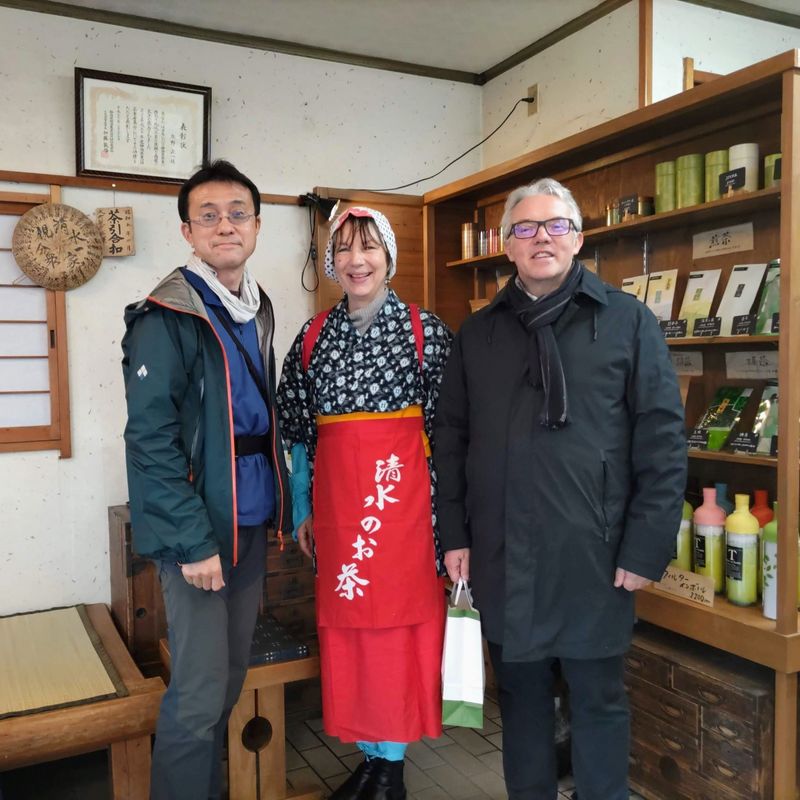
707, 326
745, 442
688, 585
776, 322
752, 364
731, 239
673, 328
687, 363
743, 325
698, 439
732, 179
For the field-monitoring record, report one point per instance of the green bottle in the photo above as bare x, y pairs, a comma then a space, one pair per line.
682, 554
741, 554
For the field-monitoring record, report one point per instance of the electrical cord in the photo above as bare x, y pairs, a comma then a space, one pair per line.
466, 152
312, 253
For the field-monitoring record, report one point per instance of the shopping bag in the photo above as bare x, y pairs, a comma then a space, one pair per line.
462, 662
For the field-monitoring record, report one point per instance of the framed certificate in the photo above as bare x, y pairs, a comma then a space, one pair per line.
131, 127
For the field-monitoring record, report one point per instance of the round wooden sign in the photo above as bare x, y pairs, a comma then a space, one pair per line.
57, 246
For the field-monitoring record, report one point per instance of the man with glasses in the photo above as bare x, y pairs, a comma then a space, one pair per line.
561, 455
206, 474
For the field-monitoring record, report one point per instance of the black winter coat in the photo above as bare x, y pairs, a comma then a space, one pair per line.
550, 514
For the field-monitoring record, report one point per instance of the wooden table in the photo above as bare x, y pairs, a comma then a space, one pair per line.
261, 775
123, 724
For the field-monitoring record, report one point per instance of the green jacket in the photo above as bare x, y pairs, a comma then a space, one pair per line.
179, 436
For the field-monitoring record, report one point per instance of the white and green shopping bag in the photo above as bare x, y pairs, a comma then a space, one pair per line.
462, 662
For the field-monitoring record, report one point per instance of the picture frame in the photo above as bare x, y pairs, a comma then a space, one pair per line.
140, 128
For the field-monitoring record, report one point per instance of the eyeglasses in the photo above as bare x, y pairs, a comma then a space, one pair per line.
211, 218
527, 229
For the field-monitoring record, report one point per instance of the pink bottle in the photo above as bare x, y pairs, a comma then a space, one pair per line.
709, 539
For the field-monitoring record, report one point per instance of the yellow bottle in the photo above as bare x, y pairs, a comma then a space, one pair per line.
741, 553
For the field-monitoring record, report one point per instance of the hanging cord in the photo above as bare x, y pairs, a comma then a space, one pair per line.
466, 152
311, 256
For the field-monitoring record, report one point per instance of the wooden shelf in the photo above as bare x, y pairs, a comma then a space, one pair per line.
716, 210
734, 458
742, 631
726, 341
483, 262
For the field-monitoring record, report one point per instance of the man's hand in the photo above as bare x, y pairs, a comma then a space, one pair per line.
205, 574
629, 580
305, 536
456, 563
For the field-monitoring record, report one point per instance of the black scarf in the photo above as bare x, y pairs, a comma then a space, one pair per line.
537, 317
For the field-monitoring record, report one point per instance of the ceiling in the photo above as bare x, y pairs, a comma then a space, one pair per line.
471, 36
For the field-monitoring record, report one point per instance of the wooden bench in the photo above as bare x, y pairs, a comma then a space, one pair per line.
122, 724
261, 774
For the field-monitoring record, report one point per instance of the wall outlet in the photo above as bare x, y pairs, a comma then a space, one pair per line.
533, 91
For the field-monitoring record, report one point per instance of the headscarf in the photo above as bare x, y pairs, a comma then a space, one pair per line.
385, 229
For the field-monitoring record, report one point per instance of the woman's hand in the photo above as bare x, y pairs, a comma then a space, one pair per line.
305, 536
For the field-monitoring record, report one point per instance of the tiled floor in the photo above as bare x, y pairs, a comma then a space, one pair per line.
462, 764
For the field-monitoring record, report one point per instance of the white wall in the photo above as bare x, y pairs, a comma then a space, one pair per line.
290, 123
718, 41
588, 78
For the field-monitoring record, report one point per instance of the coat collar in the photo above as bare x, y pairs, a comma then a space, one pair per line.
590, 285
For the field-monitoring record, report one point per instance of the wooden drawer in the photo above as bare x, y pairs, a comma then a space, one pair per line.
658, 776
737, 732
731, 766
291, 557
298, 618
647, 666
669, 740
677, 711
711, 692
291, 585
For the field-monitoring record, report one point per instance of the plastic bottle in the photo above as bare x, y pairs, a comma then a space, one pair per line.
769, 567
709, 540
722, 498
741, 554
682, 556
763, 513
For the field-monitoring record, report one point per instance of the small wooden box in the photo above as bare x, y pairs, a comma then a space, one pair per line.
701, 721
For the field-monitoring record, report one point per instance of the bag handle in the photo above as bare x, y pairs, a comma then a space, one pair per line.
456, 599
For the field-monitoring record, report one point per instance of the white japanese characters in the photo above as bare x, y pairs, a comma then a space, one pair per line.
349, 586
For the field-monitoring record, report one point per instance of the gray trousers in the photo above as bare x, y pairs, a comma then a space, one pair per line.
599, 725
210, 634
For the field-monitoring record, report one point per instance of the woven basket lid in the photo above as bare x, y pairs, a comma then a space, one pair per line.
57, 246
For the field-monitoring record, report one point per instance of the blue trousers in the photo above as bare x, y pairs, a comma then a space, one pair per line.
599, 726
210, 635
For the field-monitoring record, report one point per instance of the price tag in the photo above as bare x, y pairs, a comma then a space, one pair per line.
743, 325
733, 179
689, 585
698, 439
745, 442
707, 326
777, 169
776, 322
673, 328
628, 205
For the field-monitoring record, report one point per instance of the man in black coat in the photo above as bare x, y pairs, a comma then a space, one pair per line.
561, 454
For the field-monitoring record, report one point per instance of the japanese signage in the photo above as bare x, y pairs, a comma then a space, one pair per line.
689, 585
116, 229
731, 239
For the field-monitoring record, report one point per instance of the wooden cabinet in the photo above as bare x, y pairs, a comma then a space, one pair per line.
702, 721
758, 104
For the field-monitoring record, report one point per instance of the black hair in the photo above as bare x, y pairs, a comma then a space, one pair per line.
219, 170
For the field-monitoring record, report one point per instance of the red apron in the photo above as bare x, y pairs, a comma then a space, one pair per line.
372, 521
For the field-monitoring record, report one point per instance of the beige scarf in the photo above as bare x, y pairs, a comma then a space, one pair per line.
243, 308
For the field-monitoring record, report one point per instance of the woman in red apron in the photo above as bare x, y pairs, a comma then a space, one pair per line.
357, 398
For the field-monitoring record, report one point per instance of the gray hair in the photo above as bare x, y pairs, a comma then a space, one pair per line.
543, 186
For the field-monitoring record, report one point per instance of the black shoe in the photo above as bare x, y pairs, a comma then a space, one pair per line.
353, 787
386, 782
